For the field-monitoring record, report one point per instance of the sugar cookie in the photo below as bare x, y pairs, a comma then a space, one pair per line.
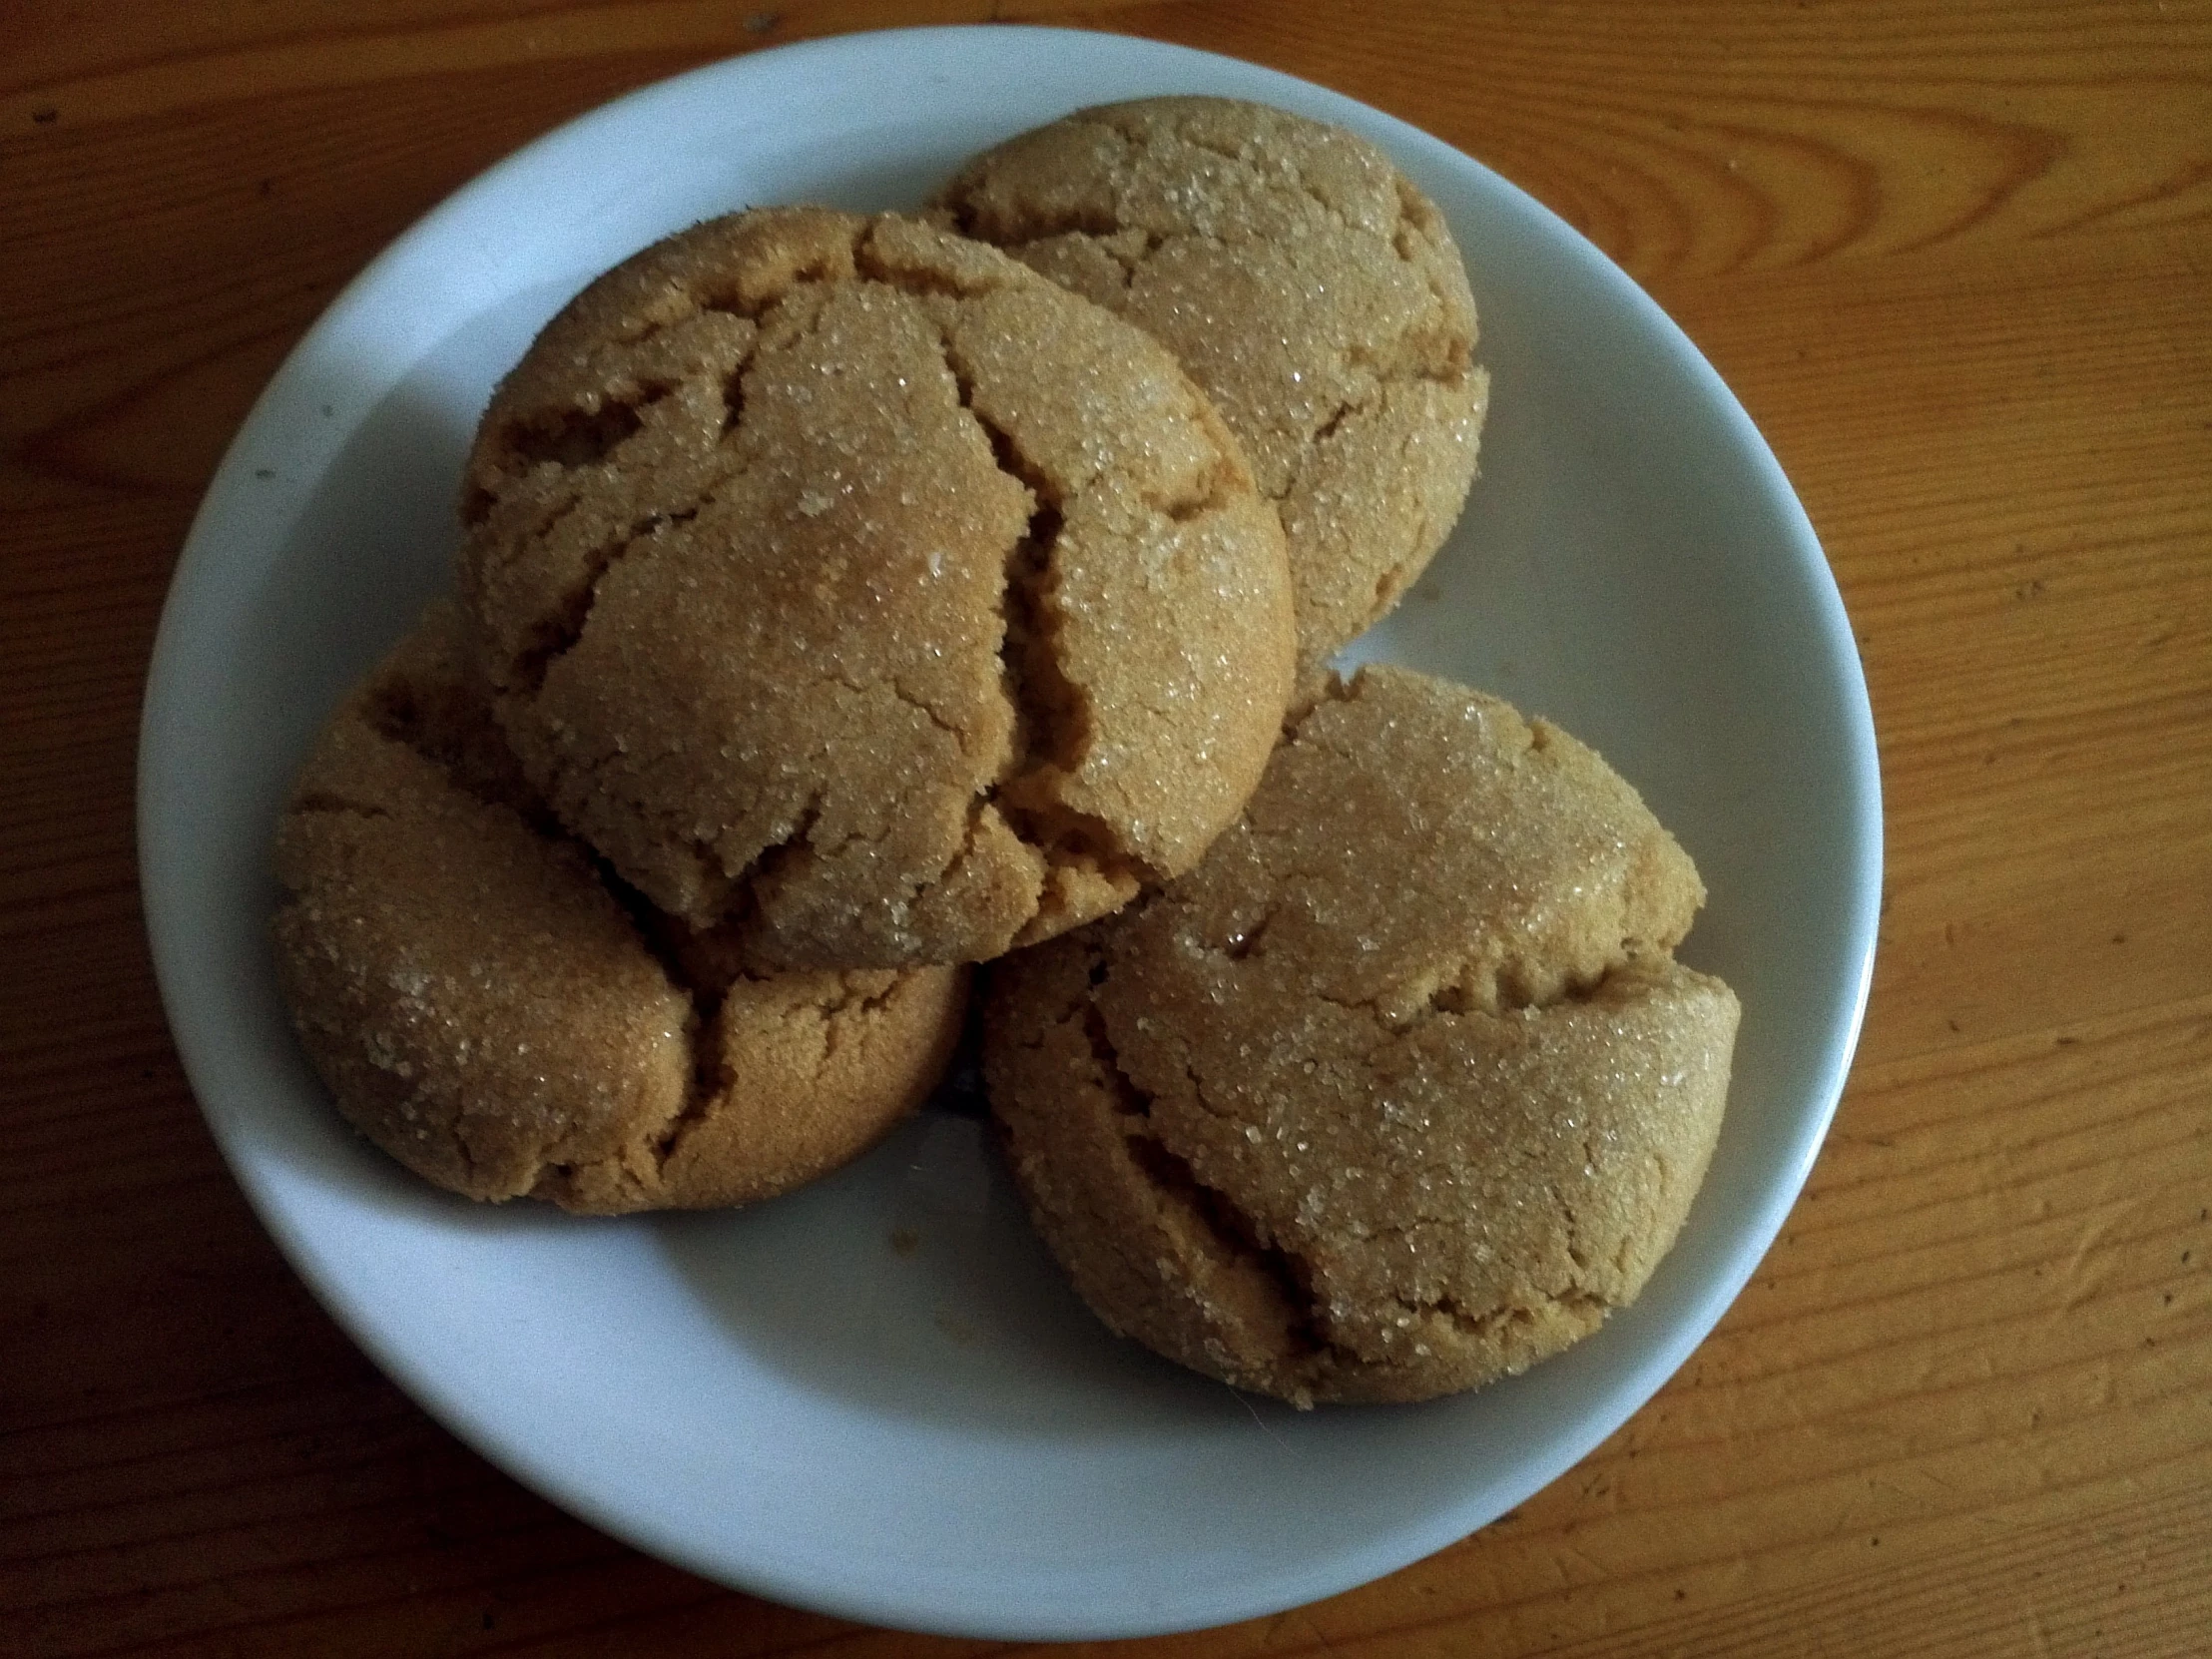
485, 1007
1306, 284
1400, 1089
851, 587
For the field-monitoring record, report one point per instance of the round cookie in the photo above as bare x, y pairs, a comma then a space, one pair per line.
856, 590
1307, 287
484, 1008
1400, 1089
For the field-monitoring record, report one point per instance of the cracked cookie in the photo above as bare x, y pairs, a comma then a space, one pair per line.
1309, 289
864, 596
490, 1010
1400, 1090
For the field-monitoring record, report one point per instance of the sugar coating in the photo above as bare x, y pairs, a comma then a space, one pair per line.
854, 589
1400, 1089
1306, 284
484, 1008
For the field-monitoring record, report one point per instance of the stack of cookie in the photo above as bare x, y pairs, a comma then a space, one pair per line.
846, 601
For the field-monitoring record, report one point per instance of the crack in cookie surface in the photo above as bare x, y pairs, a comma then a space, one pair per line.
557, 631
1202, 1210
1052, 719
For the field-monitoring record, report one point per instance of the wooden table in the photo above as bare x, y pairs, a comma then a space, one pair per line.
1955, 259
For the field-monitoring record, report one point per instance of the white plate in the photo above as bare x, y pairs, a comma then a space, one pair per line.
933, 1433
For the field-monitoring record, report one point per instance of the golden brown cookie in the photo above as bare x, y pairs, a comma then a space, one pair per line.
850, 585
1305, 282
485, 1009
1400, 1089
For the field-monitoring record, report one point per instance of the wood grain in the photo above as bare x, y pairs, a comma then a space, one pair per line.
1955, 259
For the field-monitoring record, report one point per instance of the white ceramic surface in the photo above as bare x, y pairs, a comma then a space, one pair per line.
937, 1435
